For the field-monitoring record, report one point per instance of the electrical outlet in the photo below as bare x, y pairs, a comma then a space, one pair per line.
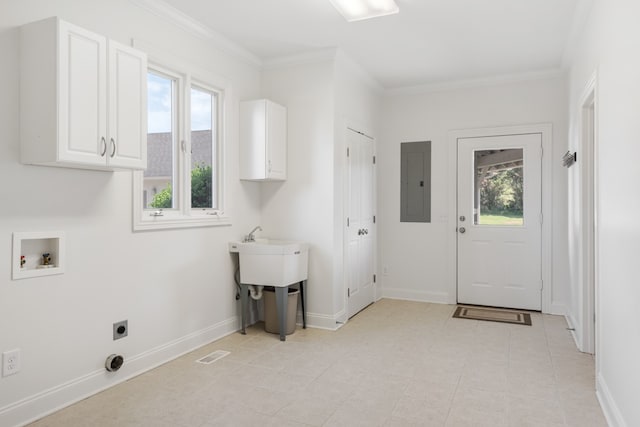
120, 329
10, 362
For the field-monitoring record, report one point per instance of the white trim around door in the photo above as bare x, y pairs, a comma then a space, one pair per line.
588, 171
360, 236
545, 130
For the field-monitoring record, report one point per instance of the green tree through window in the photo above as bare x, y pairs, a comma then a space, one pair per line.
201, 190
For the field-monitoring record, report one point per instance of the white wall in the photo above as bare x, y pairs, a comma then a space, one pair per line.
358, 105
175, 287
608, 45
323, 93
414, 255
301, 208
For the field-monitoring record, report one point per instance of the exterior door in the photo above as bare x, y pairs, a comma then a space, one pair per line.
499, 221
360, 225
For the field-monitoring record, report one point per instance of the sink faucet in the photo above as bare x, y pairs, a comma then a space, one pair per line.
250, 237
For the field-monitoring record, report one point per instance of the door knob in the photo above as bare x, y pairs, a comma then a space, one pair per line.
462, 230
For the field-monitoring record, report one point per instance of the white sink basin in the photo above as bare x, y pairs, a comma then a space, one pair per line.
268, 246
272, 262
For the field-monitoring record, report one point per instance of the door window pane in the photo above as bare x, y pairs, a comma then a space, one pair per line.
158, 177
203, 134
498, 192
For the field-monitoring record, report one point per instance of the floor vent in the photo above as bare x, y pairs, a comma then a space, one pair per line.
212, 357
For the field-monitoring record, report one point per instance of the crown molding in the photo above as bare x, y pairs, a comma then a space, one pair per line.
198, 29
474, 83
359, 70
304, 58
334, 54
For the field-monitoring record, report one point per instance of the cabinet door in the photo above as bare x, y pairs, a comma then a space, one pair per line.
82, 83
127, 146
276, 141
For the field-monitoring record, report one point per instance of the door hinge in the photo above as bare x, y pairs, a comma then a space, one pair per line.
348, 292
374, 278
374, 219
541, 218
347, 151
347, 221
374, 160
541, 284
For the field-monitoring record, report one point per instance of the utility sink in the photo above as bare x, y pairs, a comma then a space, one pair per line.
272, 262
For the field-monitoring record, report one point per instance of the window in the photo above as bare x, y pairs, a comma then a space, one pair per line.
182, 185
498, 182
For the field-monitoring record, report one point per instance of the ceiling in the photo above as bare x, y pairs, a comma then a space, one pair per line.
429, 42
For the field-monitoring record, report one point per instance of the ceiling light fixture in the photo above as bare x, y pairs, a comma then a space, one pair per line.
356, 10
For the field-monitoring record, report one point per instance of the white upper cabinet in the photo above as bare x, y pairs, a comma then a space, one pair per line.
127, 107
82, 99
263, 141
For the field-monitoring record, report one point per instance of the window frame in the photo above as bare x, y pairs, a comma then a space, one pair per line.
215, 150
182, 215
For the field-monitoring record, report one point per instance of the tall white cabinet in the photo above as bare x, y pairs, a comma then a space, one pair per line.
263, 141
82, 99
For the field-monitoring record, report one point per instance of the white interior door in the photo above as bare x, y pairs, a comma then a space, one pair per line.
361, 228
499, 221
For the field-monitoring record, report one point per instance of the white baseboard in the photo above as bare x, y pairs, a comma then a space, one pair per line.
413, 295
48, 401
609, 407
323, 321
557, 308
575, 330
341, 318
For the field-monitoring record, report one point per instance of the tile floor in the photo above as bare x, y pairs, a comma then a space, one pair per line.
397, 363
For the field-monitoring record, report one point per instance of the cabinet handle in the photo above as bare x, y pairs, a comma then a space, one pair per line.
113, 147
103, 142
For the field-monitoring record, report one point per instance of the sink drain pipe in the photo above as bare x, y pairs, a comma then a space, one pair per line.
255, 291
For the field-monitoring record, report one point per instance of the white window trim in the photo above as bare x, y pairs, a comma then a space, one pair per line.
185, 216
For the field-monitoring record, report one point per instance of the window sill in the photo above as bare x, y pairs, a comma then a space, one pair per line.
175, 222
